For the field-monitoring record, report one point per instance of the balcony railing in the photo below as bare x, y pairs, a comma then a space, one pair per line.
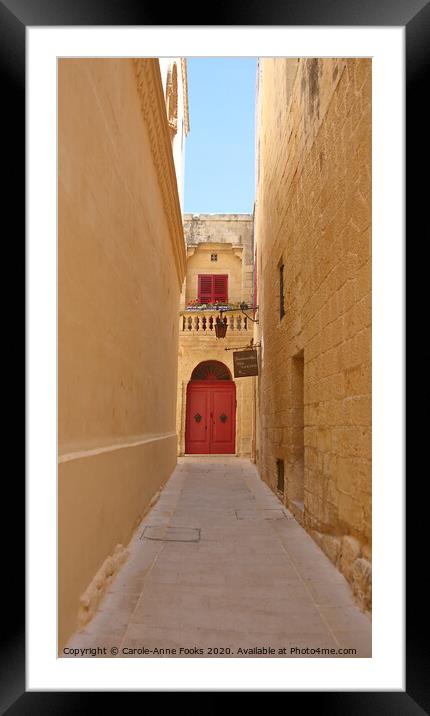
201, 322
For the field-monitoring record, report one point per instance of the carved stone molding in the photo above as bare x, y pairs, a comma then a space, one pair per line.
172, 99
185, 94
153, 106
218, 246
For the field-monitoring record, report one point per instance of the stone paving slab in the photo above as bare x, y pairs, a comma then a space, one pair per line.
219, 563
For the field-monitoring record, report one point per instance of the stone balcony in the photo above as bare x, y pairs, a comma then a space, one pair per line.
202, 322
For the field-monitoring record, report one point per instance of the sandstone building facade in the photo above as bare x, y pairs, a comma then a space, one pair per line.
313, 245
219, 272
121, 256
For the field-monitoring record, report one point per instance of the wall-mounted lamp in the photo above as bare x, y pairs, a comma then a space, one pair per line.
221, 323
220, 326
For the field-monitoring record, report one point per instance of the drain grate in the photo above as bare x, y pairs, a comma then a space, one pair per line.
171, 534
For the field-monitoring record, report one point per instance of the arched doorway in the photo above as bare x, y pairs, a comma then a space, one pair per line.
211, 410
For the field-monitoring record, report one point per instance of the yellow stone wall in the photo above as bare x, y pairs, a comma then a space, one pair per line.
230, 236
121, 264
313, 215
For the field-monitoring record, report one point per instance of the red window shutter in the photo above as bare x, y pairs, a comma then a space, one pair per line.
213, 288
220, 292
205, 288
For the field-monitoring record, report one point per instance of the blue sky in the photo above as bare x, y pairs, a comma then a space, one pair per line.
219, 152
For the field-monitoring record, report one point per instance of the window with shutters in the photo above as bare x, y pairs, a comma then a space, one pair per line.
213, 288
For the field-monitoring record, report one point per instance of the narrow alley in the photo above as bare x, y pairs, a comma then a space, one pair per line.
214, 357
220, 568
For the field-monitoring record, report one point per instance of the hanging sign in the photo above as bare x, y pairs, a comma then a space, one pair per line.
245, 363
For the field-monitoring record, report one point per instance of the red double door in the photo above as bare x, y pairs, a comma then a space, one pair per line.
211, 417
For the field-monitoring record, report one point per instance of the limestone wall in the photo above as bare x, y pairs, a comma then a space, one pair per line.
313, 217
121, 263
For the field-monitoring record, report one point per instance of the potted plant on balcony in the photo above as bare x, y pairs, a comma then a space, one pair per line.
196, 305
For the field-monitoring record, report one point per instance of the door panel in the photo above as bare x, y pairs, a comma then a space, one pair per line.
223, 414
197, 423
215, 431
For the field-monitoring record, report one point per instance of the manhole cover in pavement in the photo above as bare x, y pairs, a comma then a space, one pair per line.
171, 534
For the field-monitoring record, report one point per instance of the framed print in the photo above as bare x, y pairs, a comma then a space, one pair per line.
222, 526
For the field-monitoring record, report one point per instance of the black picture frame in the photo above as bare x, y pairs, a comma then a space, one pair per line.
414, 15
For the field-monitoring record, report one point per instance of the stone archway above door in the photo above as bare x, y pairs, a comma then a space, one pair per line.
211, 370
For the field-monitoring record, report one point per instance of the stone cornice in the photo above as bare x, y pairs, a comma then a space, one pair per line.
153, 106
214, 246
185, 94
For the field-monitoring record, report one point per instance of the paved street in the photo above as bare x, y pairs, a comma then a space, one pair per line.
219, 563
